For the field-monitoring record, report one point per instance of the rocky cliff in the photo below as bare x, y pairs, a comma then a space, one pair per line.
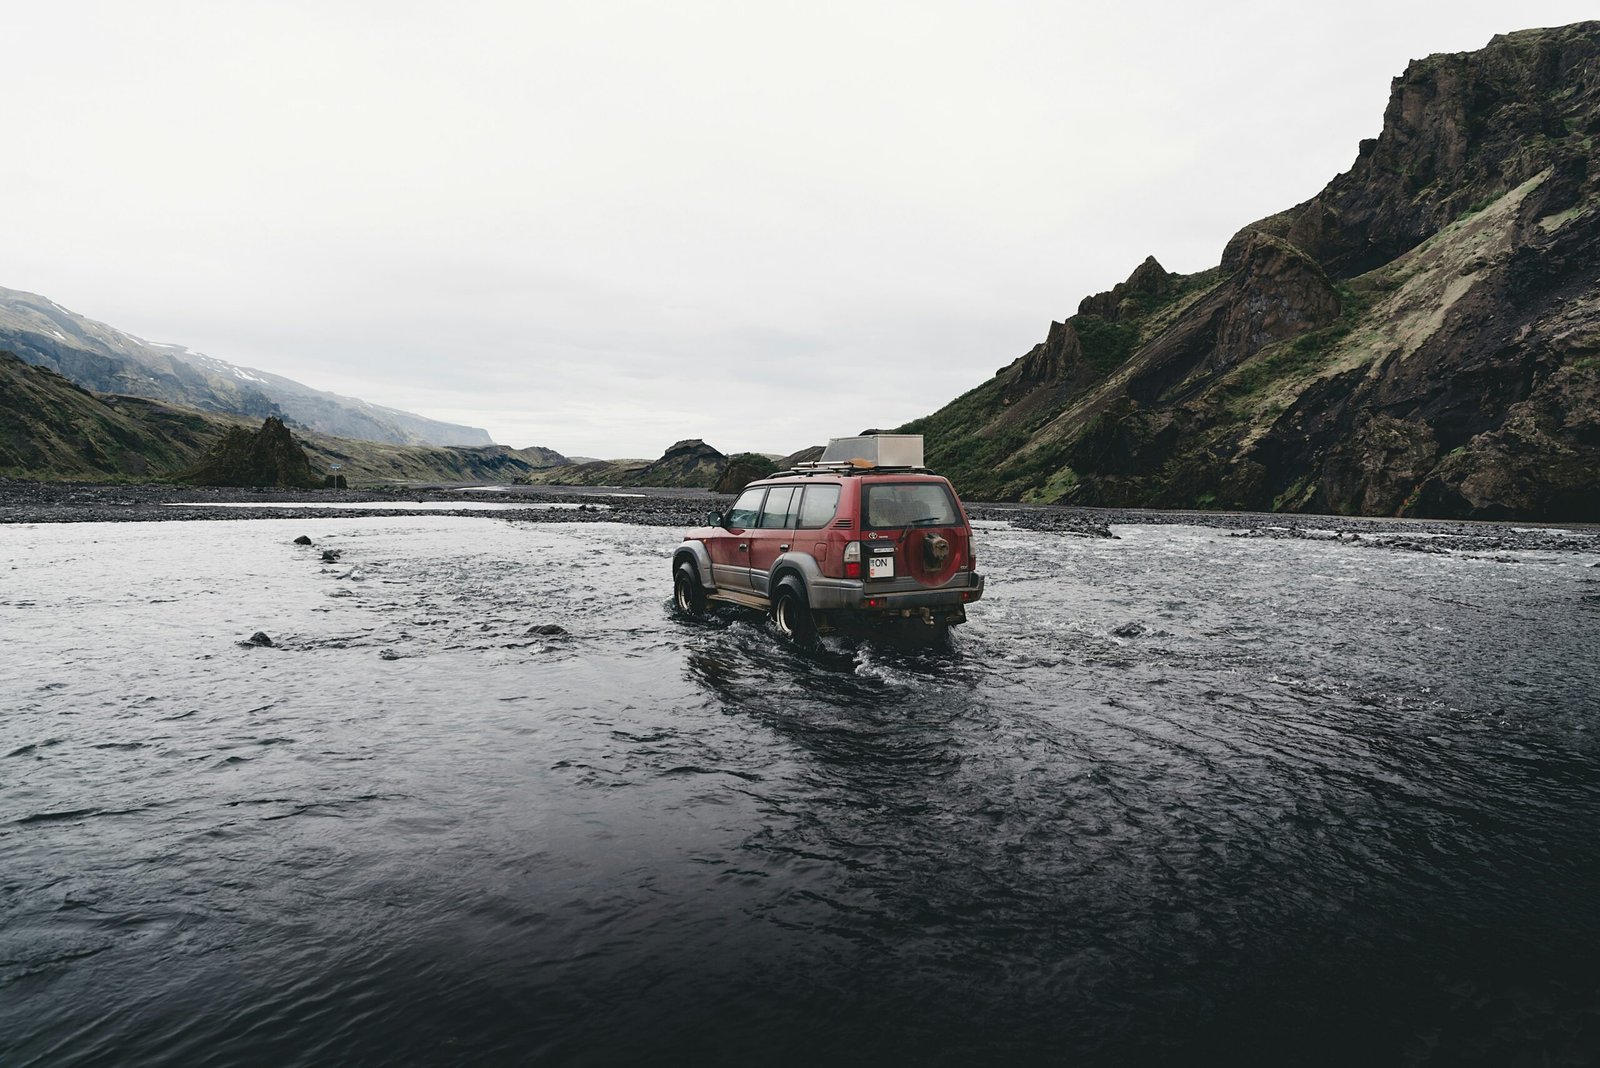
1421, 338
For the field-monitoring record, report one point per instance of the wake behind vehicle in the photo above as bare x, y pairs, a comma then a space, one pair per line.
864, 537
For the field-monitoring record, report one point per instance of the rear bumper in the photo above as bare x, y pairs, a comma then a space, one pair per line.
854, 595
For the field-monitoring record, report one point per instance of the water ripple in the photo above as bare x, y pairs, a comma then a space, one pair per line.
1171, 797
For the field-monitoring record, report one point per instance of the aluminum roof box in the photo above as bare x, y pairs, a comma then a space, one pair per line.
879, 450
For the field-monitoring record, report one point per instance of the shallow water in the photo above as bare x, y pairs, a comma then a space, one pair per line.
393, 506
1177, 795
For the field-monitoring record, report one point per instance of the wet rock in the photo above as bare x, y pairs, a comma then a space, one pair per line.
390, 654
302, 540
1131, 630
331, 555
259, 638
545, 629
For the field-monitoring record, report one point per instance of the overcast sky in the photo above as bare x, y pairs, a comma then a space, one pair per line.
602, 227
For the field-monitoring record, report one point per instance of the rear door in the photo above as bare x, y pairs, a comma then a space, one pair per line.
913, 533
730, 548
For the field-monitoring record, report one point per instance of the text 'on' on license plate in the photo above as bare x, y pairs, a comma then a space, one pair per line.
880, 567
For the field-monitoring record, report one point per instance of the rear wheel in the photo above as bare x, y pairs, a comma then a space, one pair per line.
792, 616
688, 596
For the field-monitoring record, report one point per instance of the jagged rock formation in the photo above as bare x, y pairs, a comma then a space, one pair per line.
1147, 285
1421, 338
108, 360
268, 457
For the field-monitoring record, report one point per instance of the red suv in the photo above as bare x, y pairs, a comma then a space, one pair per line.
833, 543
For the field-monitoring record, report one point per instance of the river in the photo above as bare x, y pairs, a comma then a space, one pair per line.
1171, 796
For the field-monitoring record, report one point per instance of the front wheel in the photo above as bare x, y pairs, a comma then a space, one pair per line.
792, 616
688, 596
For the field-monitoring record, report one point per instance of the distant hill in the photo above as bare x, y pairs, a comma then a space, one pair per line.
688, 464
107, 360
372, 461
52, 428
1422, 338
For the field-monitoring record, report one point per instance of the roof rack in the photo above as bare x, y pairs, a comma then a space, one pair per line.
845, 467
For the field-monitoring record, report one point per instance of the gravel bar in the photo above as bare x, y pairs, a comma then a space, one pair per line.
76, 502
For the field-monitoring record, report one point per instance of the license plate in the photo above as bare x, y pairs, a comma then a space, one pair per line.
880, 567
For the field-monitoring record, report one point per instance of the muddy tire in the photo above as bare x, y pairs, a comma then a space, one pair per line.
688, 596
791, 615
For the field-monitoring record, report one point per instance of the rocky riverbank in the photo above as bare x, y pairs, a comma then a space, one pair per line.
71, 502
74, 502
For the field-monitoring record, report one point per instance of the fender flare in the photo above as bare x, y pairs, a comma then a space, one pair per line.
795, 568
694, 552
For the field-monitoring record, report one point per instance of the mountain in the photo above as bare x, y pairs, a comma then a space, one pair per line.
52, 428
1421, 338
107, 360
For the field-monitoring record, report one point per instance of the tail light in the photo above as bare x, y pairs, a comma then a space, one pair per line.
852, 560
972, 551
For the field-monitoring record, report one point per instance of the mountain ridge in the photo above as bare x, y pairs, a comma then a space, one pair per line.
105, 359
53, 428
1419, 338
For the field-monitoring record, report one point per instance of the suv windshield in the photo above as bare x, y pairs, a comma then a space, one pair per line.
889, 505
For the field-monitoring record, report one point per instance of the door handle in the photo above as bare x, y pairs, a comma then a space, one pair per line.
744, 548
783, 548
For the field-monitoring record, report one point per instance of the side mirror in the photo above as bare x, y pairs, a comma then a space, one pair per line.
717, 517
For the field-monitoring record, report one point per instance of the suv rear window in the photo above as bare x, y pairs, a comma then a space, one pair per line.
890, 505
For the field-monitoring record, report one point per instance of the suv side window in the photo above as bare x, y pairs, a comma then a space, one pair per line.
779, 510
744, 511
819, 506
